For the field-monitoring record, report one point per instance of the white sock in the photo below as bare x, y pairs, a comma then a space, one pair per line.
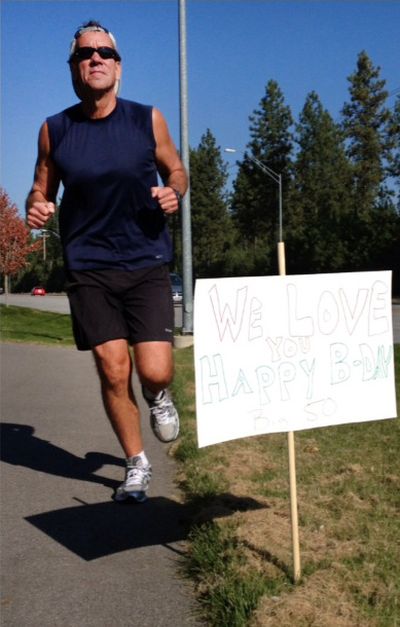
142, 456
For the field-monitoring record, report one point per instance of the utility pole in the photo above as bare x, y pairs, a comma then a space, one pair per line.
187, 272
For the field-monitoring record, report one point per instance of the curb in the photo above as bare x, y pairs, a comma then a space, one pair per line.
183, 341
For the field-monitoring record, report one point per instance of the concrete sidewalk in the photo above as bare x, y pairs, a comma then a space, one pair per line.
70, 555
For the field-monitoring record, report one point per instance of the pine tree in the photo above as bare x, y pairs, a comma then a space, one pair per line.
319, 204
393, 141
212, 230
255, 198
390, 258
365, 120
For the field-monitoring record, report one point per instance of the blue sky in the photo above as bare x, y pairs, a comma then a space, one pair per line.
234, 48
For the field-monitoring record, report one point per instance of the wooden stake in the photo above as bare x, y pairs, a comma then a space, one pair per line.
281, 259
292, 461
293, 508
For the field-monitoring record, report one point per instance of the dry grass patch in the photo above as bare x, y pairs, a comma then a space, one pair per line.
318, 602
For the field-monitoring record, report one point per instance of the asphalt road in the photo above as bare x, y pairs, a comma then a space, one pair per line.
57, 303
70, 555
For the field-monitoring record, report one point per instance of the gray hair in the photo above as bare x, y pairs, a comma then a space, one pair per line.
91, 26
94, 27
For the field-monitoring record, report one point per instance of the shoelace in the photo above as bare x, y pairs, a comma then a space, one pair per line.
136, 473
162, 412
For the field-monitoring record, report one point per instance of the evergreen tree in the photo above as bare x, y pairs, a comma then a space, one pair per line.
365, 121
393, 140
212, 230
391, 251
319, 204
255, 198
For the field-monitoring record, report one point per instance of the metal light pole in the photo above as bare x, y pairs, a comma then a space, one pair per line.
290, 436
187, 273
44, 237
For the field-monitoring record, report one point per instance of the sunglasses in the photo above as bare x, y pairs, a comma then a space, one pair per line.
86, 52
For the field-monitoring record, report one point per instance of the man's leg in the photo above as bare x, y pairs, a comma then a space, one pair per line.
114, 365
154, 365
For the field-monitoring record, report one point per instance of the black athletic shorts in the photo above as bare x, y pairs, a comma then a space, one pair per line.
113, 304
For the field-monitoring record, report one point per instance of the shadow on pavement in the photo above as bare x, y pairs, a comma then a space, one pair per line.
20, 447
92, 531
100, 529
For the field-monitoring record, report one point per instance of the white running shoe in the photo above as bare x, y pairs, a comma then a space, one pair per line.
137, 479
164, 418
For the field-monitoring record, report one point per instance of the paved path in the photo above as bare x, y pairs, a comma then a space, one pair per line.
70, 555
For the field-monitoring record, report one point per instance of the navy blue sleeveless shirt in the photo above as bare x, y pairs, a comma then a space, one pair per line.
108, 219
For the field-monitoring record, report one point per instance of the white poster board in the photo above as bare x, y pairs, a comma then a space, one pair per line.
278, 354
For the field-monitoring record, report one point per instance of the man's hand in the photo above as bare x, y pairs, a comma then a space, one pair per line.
39, 213
166, 198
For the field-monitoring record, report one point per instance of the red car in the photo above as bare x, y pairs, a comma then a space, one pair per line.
38, 291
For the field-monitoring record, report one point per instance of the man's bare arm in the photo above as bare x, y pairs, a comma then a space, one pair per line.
169, 166
40, 203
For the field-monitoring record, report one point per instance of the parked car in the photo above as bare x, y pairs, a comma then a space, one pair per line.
38, 291
177, 291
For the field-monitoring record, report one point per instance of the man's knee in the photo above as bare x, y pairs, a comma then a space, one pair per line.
154, 364
114, 366
155, 372
155, 378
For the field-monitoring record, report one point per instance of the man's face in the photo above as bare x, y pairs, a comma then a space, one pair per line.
96, 74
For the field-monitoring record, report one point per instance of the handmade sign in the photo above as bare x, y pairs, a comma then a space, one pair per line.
285, 353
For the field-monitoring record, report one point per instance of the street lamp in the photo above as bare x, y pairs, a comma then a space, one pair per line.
51, 232
273, 175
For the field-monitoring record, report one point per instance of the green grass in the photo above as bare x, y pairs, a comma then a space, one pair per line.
228, 591
20, 324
